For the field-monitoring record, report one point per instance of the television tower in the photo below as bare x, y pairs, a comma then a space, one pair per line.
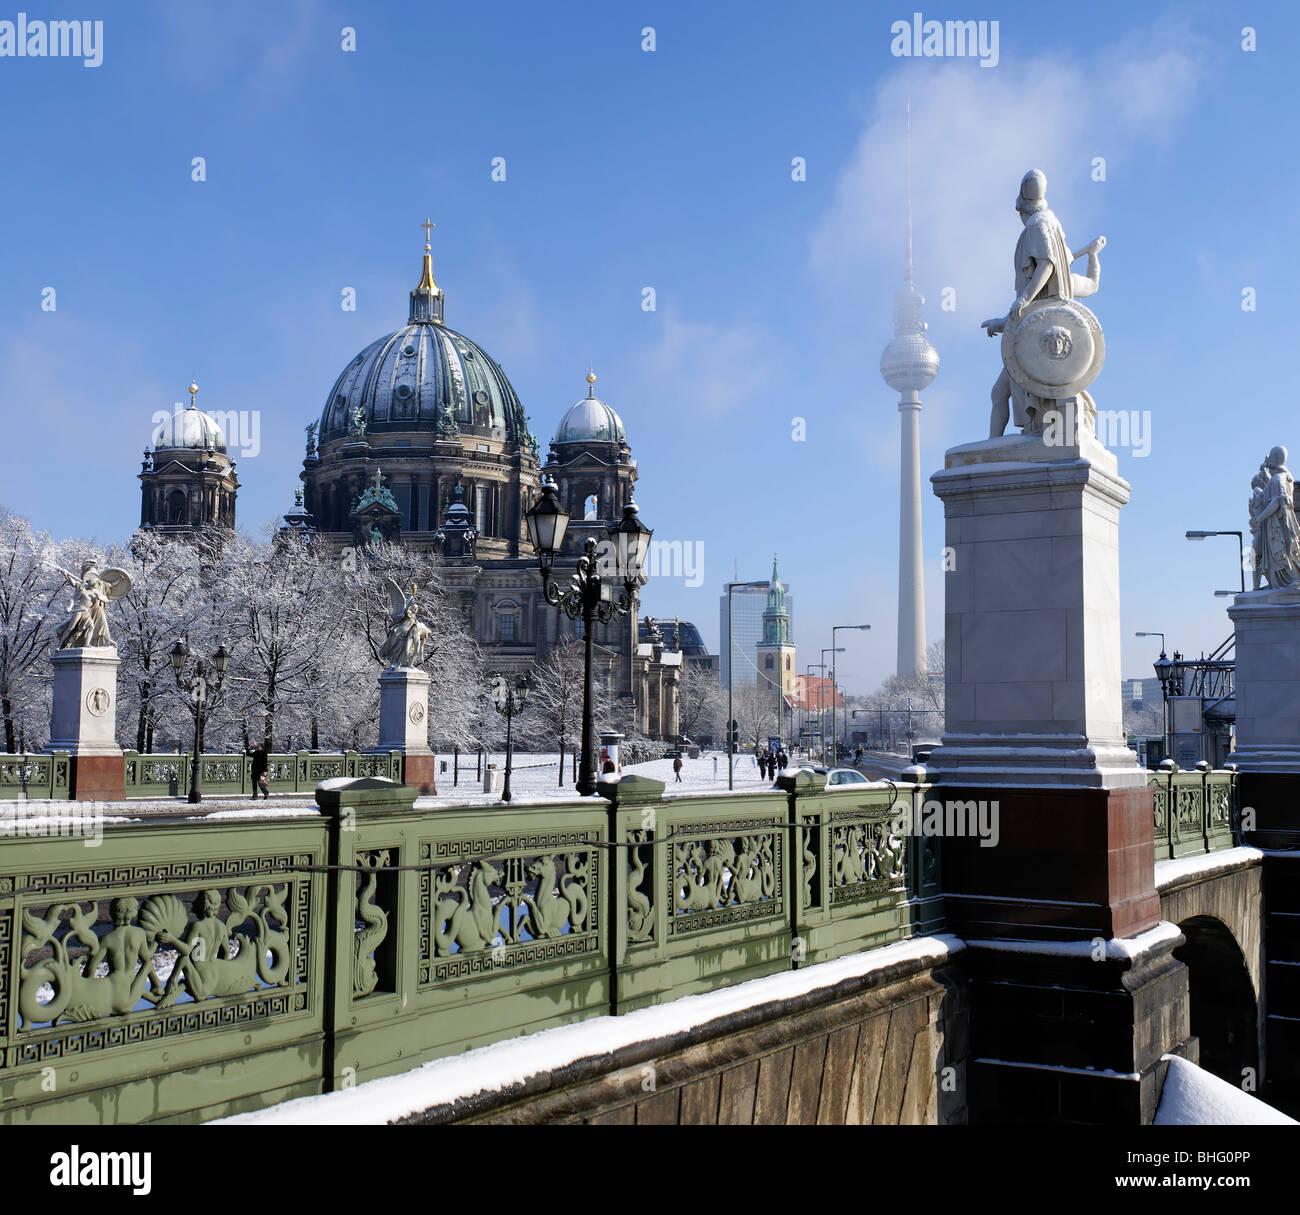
908, 365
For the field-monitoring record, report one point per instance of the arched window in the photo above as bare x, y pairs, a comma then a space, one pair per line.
591, 507
506, 626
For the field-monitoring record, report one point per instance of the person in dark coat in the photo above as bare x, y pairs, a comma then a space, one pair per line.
782, 759
260, 771
677, 769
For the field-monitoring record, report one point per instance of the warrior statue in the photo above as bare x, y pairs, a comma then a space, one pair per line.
86, 621
407, 637
1274, 528
1052, 347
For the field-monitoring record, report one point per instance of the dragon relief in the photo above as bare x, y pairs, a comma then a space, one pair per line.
868, 852
370, 936
213, 957
469, 918
721, 871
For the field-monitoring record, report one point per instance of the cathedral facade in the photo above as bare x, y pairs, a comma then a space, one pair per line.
423, 441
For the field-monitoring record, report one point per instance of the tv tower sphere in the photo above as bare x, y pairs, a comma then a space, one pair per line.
909, 363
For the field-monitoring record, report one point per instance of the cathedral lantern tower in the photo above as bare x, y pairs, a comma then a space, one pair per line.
187, 480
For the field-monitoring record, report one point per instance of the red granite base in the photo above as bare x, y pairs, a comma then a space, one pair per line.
1069, 864
98, 778
418, 770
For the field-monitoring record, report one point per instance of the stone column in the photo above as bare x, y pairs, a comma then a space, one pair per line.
404, 724
83, 720
1034, 747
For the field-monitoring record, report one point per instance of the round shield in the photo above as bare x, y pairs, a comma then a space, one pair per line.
116, 582
1055, 349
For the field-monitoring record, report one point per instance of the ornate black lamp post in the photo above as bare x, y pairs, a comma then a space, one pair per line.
590, 596
508, 699
202, 684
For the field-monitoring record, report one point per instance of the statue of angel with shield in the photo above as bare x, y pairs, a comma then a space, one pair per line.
407, 637
86, 621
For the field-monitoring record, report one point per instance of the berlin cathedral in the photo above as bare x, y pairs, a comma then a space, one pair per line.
423, 441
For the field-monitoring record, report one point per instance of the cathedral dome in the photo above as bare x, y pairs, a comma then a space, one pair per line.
424, 377
590, 420
189, 429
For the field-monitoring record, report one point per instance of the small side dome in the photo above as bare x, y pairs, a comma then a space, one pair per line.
189, 429
590, 420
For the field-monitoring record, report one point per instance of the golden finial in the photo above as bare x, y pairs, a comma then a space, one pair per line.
194, 391
591, 382
428, 227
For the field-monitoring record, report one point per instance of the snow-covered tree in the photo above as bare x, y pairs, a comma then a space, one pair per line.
30, 608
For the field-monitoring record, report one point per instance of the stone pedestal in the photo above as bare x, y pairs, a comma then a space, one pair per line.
404, 724
1032, 617
1267, 625
1034, 728
1267, 754
83, 721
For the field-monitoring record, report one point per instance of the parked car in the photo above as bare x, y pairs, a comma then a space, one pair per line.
845, 776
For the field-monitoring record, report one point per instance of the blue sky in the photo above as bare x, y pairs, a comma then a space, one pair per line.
672, 170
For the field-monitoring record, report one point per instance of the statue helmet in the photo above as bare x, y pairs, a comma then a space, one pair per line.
1277, 457
1033, 192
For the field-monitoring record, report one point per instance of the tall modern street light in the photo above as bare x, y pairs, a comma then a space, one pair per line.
202, 684
731, 669
830, 649
807, 696
1241, 549
836, 629
590, 596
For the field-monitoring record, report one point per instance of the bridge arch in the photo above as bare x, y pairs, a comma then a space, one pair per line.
1218, 907
1224, 1006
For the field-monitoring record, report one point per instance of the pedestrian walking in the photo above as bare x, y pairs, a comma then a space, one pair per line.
782, 759
261, 778
677, 769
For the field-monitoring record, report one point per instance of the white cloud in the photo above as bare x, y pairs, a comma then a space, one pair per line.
974, 134
720, 367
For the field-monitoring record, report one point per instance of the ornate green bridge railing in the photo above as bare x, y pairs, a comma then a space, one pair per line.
179, 970
162, 775
1195, 811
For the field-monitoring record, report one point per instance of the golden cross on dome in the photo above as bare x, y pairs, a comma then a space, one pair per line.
428, 226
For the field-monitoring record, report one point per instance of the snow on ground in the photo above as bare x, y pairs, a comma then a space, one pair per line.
534, 778
1193, 1097
503, 1065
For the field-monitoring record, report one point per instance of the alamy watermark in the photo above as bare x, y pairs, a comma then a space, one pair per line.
23, 39
945, 40
242, 428
43, 818
953, 820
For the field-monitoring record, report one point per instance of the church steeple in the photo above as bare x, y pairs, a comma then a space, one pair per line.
427, 297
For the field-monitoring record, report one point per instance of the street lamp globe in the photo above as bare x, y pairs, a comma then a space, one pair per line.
221, 660
547, 522
177, 656
632, 543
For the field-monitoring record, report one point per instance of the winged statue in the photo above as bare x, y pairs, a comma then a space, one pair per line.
86, 621
407, 637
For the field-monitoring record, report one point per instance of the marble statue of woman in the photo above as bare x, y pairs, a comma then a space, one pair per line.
1278, 543
407, 637
86, 621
